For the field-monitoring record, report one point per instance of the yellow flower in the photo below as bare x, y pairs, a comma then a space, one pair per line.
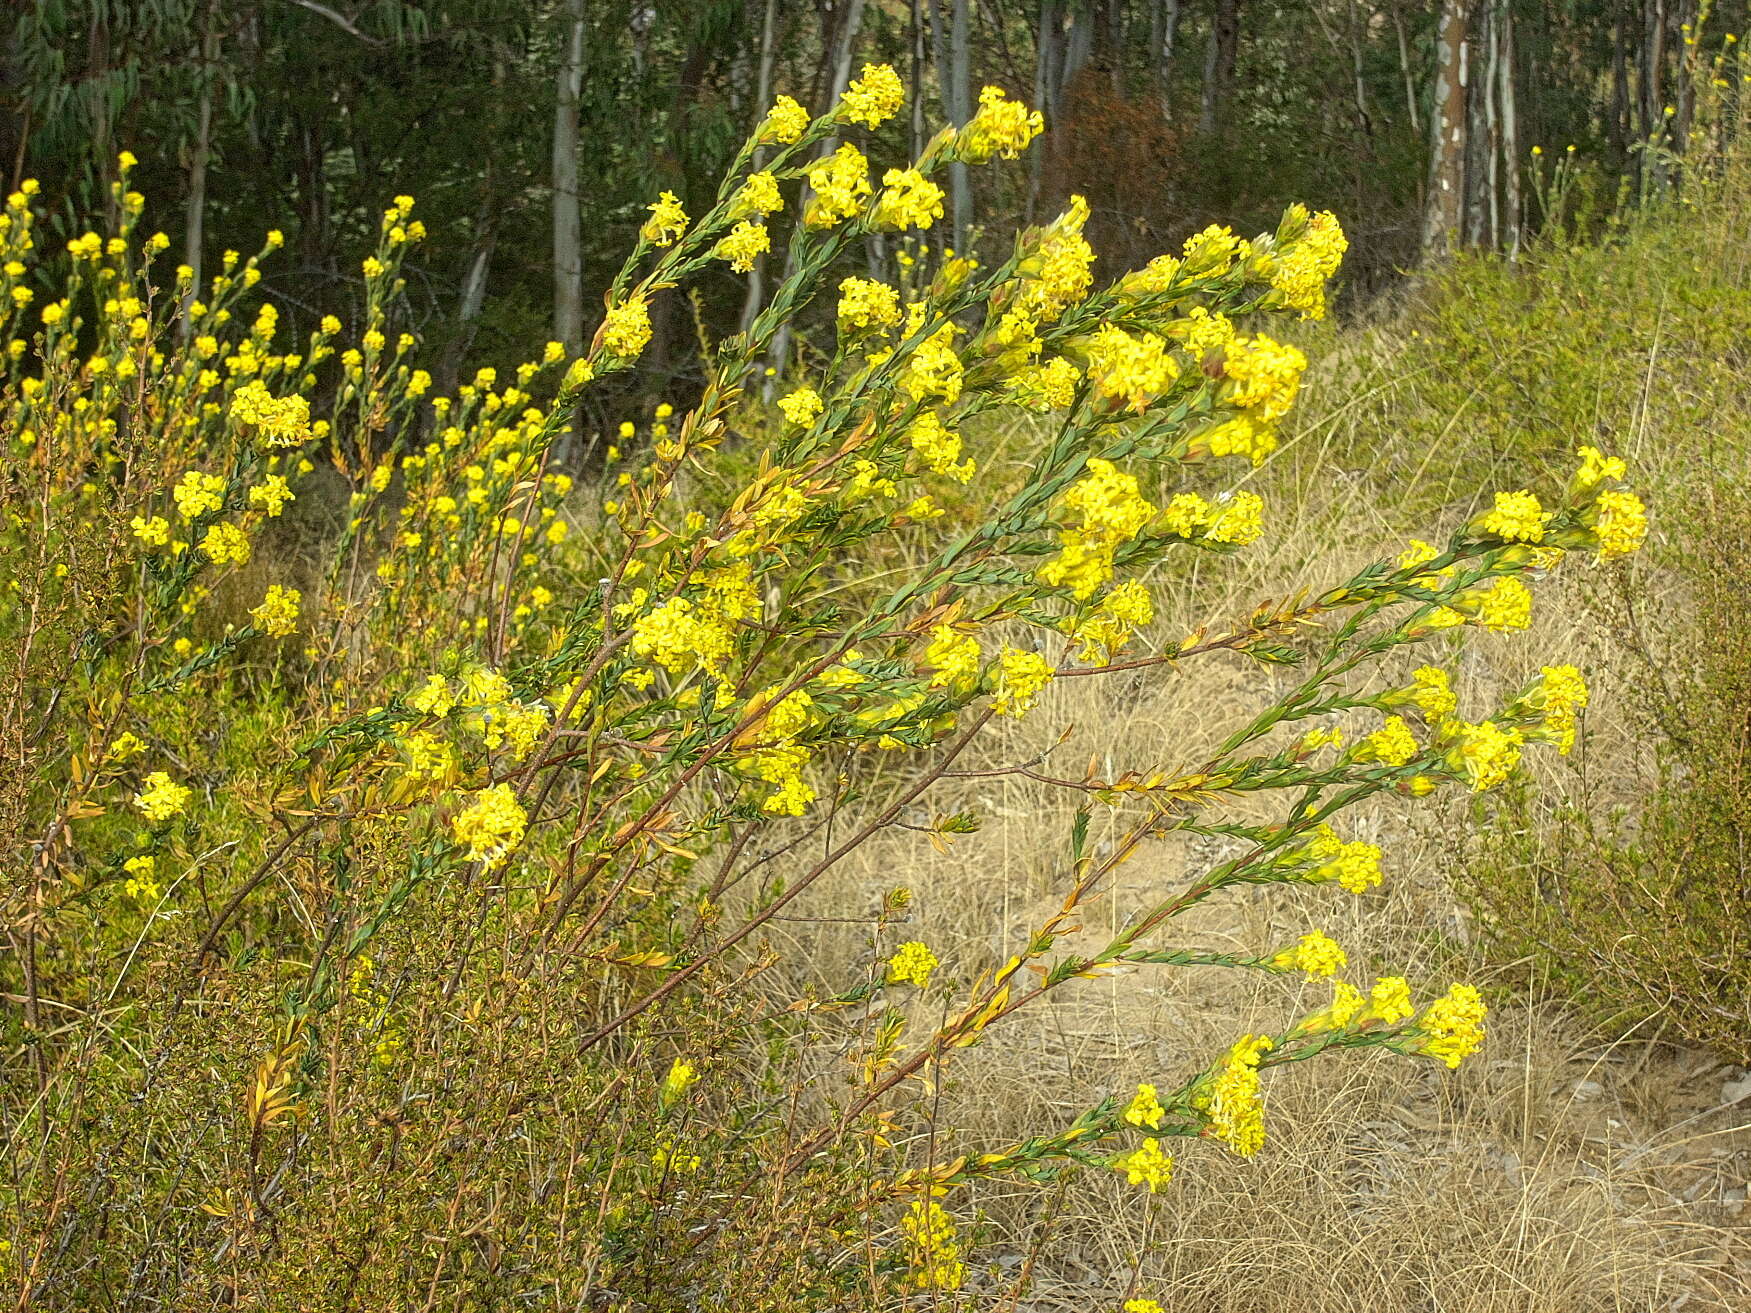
1452, 1026
953, 657
839, 183
627, 329
667, 222
866, 305
1485, 754
1517, 518
491, 825
933, 1256
873, 98
758, 195
1000, 127
278, 612
1263, 376
1390, 999
1136, 370
1561, 693
1354, 865
1232, 1104
196, 494
1020, 678
784, 123
125, 746
742, 245
433, 698
1597, 468
1316, 954
680, 1078
802, 407
1622, 526
162, 797
939, 446
154, 531
1149, 1165
911, 964
908, 200
1302, 268
226, 544
271, 494
1392, 744
1145, 1109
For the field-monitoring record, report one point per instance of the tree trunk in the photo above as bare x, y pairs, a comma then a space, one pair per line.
195, 210
1047, 53
756, 297
1163, 28
1404, 65
1510, 131
1077, 48
568, 267
1617, 128
960, 110
1219, 60
1444, 207
1481, 143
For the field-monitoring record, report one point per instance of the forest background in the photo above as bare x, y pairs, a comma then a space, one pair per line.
533, 135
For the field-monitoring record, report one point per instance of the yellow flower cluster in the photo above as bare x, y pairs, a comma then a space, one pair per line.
839, 184
934, 369
1000, 127
1057, 273
1149, 1165
1263, 376
953, 658
873, 98
1452, 1026
802, 407
932, 1253
272, 494
1485, 754
1561, 693
1231, 1102
1316, 954
742, 245
1301, 269
1125, 609
1135, 369
784, 123
758, 195
277, 614
781, 760
280, 422
908, 200
627, 329
911, 964
1051, 386
1354, 865
866, 305
1110, 511
1622, 524
140, 885
197, 494
1021, 677
162, 797
1392, 744
679, 637
1517, 518
1237, 521
225, 544
938, 446
1145, 1108
491, 825
667, 222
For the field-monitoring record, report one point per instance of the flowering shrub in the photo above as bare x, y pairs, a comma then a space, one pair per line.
361, 899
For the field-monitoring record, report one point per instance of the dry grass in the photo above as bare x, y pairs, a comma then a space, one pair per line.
1560, 1170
